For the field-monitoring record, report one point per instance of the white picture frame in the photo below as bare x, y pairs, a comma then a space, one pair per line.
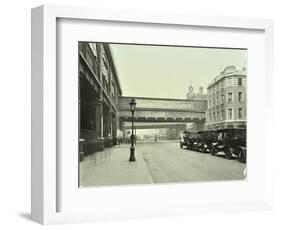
47, 184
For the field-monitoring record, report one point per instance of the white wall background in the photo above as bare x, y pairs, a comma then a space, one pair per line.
15, 113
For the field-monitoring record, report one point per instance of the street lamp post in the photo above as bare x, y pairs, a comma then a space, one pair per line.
132, 148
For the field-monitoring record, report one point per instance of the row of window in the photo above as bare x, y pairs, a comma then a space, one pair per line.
230, 97
90, 52
109, 89
220, 115
220, 99
226, 82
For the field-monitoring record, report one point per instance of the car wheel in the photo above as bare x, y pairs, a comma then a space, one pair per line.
241, 156
203, 150
181, 146
228, 154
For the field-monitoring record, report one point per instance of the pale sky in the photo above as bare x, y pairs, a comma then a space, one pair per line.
167, 72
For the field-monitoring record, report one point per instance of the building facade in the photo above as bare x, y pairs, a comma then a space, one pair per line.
226, 96
99, 89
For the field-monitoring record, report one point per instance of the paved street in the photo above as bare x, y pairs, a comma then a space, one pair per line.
161, 162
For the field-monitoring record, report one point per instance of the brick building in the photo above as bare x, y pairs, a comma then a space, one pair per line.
99, 89
226, 96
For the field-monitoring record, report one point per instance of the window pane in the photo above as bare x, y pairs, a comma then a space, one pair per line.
229, 97
240, 115
239, 96
239, 81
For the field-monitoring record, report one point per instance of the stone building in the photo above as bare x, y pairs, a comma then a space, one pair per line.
99, 89
227, 99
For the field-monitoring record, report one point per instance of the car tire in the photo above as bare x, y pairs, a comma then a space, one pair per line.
228, 154
203, 150
241, 156
181, 146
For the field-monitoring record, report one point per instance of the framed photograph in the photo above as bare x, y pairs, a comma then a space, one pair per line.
138, 114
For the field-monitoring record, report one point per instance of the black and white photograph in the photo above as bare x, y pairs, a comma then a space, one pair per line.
151, 114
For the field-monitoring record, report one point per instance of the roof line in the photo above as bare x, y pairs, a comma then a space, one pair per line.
169, 99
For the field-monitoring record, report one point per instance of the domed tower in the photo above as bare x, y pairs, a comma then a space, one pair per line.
190, 94
201, 90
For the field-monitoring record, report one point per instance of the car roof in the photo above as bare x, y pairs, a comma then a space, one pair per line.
225, 129
189, 132
205, 131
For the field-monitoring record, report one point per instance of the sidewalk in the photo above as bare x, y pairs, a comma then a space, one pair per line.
112, 167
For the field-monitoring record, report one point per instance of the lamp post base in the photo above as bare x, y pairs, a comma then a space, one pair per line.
132, 154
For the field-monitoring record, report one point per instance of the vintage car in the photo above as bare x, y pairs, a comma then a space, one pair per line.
196, 139
205, 140
187, 139
232, 142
